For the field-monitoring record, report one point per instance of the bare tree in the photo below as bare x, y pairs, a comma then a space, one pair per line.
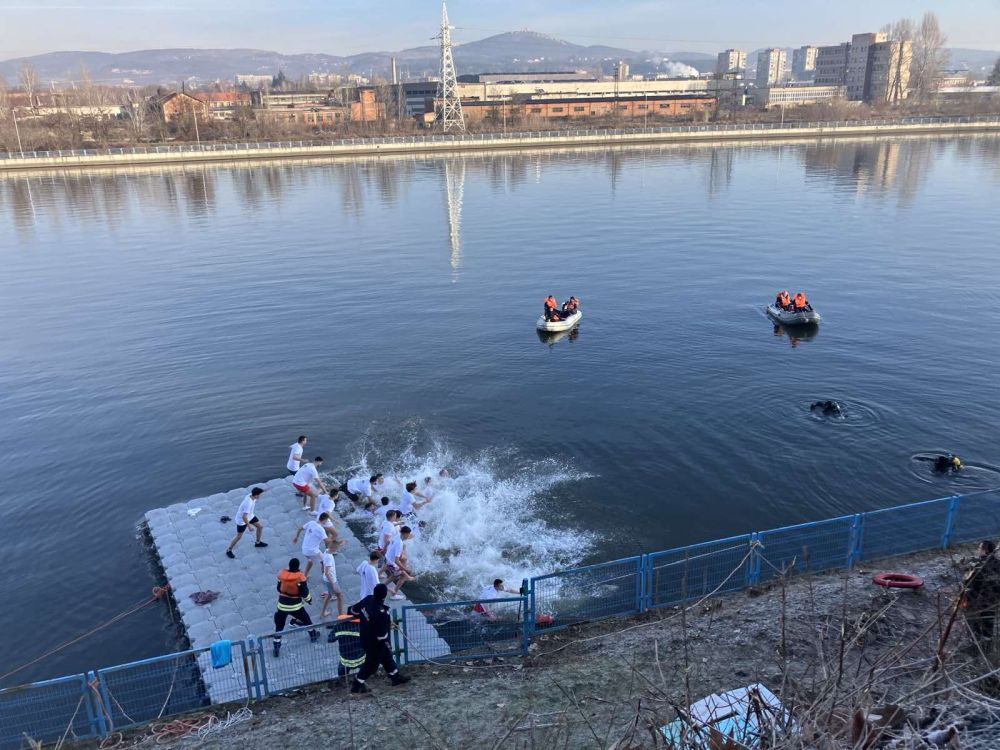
929, 56
899, 73
4, 99
994, 79
136, 112
29, 81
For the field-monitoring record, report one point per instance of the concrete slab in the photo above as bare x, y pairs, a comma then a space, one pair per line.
192, 546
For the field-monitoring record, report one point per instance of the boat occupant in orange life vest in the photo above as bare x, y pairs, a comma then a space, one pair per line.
800, 301
550, 308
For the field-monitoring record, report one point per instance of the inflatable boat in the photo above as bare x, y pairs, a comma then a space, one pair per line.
553, 326
794, 317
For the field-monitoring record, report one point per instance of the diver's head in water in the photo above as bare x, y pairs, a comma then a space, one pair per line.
947, 463
829, 408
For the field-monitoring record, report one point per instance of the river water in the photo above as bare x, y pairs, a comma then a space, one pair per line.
167, 333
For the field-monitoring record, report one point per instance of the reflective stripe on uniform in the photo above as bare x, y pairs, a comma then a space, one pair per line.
290, 607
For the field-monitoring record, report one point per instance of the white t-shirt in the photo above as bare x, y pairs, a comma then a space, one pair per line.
313, 539
489, 592
360, 486
388, 527
248, 506
406, 501
394, 551
305, 476
329, 567
325, 505
369, 579
294, 457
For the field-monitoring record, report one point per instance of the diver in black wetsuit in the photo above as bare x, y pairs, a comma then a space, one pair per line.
828, 408
947, 463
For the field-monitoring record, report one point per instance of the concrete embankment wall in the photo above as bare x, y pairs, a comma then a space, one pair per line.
389, 146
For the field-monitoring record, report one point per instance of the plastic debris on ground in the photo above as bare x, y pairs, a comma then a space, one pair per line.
745, 715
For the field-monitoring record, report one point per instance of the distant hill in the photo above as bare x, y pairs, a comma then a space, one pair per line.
512, 51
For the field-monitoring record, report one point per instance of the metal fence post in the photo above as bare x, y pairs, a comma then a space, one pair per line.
854, 550
265, 690
640, 584
859, 537
753, 564
401, 631
529, 611
95, 714
949, 523
526, 617
250, 669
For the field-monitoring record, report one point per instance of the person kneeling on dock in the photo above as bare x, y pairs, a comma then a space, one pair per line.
293, 593
375, 627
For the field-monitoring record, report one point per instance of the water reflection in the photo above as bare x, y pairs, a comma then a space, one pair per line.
863, 167
454, 180
797, 334
551, 338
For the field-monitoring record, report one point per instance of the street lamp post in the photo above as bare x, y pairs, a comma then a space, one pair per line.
17, 132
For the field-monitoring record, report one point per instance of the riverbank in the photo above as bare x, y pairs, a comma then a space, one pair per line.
827, 645
235, 152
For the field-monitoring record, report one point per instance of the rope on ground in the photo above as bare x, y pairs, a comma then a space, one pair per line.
215, 725
157, 593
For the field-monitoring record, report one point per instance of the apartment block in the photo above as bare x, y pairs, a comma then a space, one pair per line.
873, 67
771, 66
804, 62
730, 63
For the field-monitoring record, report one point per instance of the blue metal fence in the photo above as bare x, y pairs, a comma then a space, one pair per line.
48, 711
610, 589
472, 629
93, 704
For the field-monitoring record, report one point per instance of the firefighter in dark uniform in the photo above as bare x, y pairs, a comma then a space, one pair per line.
293, 593
376, 624
982, 591
346, 633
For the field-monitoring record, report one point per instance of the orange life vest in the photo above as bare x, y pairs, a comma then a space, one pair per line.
289, 582
550, 302
800, 300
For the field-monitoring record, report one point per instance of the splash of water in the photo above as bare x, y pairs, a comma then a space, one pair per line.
486, 520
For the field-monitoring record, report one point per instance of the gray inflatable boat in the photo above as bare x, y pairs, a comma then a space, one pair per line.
794, 317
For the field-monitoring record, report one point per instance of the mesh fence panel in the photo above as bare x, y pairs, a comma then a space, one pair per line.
146, 690
46, 711
810, 547
907, 528
474, 629
978, 517
302, 659
590, 593
692, 572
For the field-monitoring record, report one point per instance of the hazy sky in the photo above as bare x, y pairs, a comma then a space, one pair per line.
30, 27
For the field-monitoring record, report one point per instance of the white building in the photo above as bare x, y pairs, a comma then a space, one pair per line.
771, 65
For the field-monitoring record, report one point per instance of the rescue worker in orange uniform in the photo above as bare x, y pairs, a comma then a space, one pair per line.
782, 301
293, 593
800, 301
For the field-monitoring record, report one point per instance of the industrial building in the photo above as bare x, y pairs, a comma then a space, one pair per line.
560, 108
796, 94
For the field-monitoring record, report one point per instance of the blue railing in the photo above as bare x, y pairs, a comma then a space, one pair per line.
96, 703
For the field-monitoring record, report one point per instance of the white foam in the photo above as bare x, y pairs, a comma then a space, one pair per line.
487, 520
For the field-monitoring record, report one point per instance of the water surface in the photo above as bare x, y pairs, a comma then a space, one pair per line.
166, 333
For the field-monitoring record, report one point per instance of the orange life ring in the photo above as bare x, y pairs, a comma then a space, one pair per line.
898, 581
